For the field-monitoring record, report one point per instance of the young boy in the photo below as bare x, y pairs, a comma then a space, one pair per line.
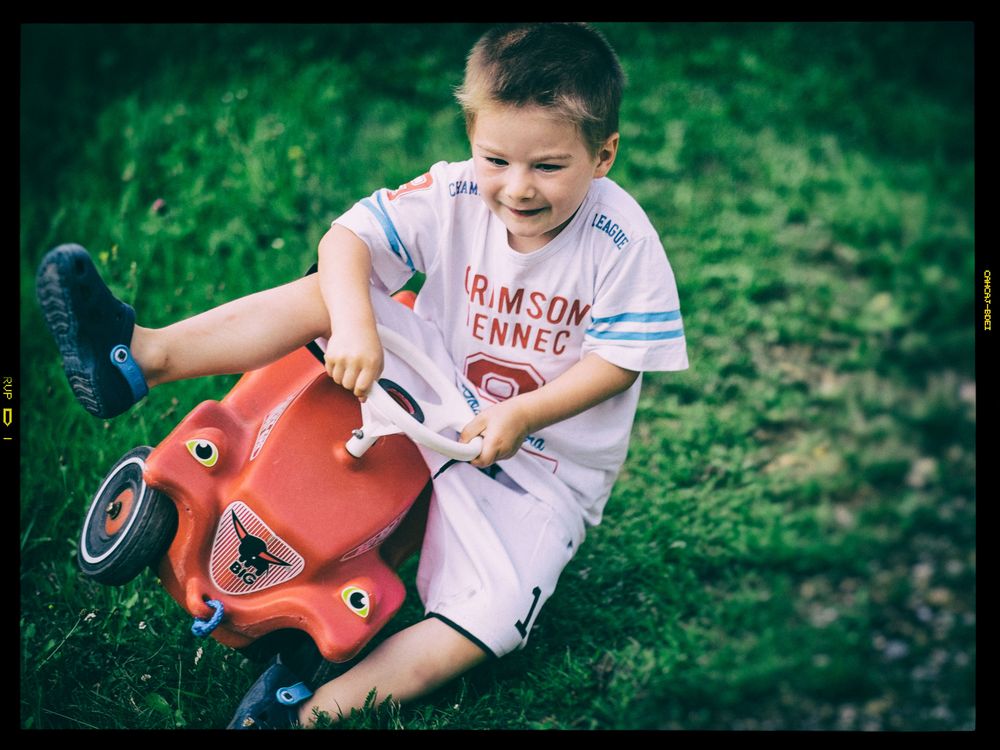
548, 291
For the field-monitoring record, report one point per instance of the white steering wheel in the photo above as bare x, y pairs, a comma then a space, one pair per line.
382, 415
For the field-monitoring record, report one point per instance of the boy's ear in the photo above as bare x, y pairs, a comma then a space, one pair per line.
606, 156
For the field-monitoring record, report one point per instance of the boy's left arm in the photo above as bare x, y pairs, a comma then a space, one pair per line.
504, 426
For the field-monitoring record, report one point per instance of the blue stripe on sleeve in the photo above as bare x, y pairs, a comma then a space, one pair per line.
633, 336
390, 231
656, 317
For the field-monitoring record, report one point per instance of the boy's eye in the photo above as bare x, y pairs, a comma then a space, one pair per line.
549, 167
495, 161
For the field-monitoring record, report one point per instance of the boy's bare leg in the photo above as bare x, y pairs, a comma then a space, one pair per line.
235, 337
411, 663
110, 363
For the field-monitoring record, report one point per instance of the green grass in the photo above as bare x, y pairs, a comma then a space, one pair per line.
792, 542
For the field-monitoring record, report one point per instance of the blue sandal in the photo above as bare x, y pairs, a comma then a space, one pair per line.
271, 702
93, 330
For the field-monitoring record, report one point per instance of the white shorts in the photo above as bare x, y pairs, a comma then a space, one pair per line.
492, 553
491, 557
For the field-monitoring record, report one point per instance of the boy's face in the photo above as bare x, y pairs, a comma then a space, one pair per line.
533, 171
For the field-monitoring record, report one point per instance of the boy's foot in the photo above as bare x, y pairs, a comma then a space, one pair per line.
93, 330
271, 702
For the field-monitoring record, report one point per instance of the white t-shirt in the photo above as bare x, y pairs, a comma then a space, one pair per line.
512, 321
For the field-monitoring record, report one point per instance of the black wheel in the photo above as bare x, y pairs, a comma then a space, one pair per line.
128, 526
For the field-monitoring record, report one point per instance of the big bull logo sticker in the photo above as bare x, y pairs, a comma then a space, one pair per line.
247, 556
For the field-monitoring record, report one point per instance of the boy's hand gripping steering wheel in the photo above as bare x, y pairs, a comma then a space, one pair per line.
382, 415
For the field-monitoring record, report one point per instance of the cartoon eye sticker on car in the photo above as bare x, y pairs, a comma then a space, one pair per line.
357, 600
204, 451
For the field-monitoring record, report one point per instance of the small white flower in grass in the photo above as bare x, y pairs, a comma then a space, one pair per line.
146, 677
142, 625
90, 616
198, 654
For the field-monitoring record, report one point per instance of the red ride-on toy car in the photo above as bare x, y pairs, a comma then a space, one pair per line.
288, 505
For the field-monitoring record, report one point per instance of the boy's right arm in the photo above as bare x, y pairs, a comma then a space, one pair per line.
354, 357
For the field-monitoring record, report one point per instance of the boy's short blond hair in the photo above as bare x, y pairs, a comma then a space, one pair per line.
568, 68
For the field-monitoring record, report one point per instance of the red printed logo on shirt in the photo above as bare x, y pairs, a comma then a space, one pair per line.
499, 379
422, 182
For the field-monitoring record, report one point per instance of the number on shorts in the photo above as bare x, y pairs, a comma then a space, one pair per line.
522, 627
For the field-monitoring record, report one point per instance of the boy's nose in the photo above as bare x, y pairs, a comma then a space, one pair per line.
520, 187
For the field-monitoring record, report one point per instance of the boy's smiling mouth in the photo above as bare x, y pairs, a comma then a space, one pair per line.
525, 212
